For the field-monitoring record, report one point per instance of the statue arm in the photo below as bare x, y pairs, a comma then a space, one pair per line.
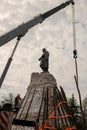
41, 57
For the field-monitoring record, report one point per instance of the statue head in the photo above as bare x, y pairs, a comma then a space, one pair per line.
43, 49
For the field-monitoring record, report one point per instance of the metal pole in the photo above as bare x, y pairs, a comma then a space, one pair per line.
76, 65
8, 63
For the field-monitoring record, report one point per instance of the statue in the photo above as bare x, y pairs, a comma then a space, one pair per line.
44, 60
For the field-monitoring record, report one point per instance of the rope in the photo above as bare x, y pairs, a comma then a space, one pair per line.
59, 104
53, 117
71, 128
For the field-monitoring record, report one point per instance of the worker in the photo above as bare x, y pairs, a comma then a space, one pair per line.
17, 101
44, 60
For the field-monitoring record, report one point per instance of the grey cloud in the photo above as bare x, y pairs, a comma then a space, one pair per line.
55, 34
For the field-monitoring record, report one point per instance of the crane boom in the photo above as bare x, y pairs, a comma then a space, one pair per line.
23, 28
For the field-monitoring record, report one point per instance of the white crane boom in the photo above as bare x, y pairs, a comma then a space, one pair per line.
23, 28
20, 30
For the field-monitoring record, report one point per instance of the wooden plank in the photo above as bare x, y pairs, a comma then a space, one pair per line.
24, 123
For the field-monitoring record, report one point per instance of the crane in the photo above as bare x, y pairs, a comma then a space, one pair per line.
19, 32
22, 29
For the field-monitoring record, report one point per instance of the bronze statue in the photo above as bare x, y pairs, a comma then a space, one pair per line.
44, 60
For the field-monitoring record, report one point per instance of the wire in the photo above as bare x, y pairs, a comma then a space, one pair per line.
76, 65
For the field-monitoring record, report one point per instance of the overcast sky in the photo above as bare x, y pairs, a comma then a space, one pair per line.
55, 34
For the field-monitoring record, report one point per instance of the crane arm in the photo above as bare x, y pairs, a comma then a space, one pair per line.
23, 28
56, 9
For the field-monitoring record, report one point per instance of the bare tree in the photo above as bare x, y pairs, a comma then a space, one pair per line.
8, 99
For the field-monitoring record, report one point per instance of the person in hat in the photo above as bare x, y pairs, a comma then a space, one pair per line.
17, 101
